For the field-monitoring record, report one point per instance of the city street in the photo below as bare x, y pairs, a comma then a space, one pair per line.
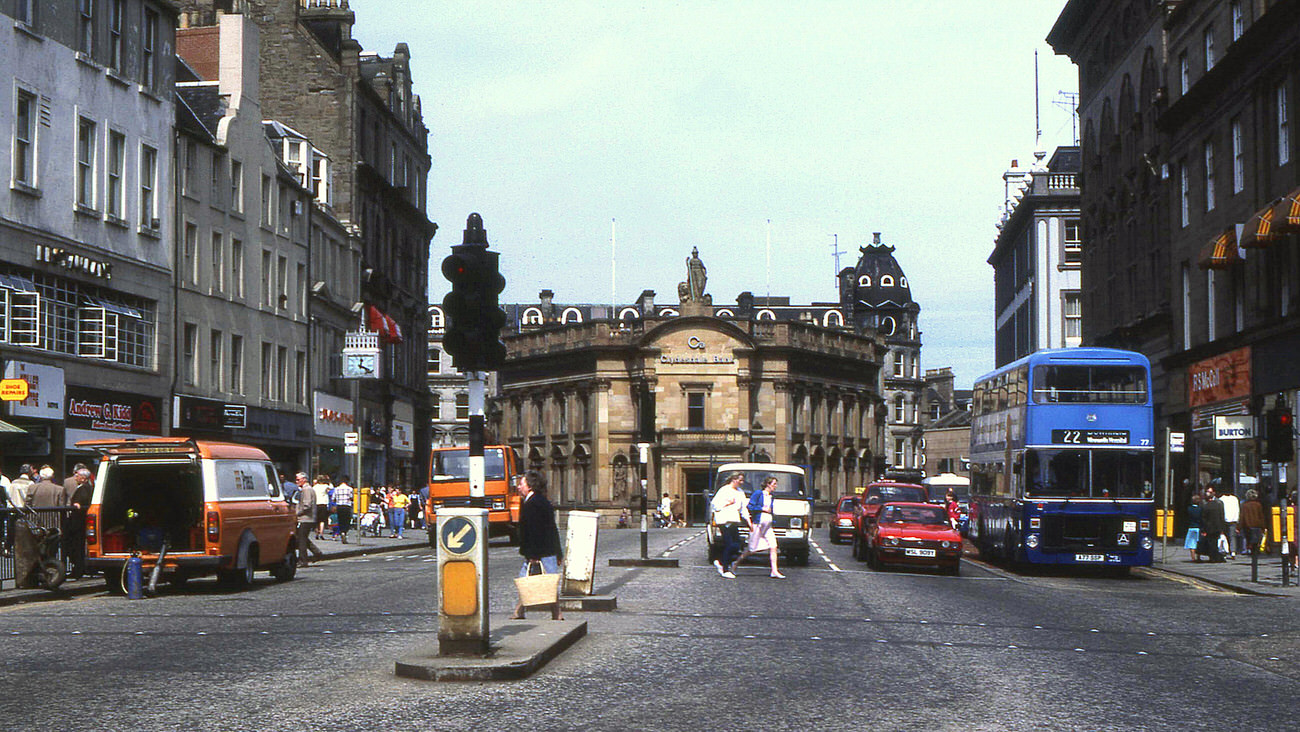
835, 646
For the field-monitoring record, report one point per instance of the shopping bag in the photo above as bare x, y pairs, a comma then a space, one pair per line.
538, 589
1223, 544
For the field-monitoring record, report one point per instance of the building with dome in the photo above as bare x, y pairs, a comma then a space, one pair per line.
875, 296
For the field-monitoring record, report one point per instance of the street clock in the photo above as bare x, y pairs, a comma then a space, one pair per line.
360, 364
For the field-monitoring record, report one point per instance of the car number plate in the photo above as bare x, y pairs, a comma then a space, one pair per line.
1089, 557
919, 552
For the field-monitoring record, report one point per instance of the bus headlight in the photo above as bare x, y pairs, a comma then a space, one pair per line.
1031, 541
1146, 542
796, 523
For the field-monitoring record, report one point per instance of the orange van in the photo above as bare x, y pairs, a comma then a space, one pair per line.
203, 507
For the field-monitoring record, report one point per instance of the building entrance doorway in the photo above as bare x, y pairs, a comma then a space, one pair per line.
698, 493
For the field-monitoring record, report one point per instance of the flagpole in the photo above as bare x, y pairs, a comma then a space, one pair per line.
613, 268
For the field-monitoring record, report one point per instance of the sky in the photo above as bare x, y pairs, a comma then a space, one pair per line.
602, 140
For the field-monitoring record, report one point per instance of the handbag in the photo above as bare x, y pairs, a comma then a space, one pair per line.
538, 589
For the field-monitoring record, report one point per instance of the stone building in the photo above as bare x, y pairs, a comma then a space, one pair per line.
358, 110
946, 424
1189, 165
86, 223
875, 295
716, 383
1036, 260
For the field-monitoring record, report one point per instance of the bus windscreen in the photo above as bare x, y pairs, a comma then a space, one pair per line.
451, 466
1088, 473
1078, 383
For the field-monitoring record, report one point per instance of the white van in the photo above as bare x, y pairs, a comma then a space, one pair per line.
792, 504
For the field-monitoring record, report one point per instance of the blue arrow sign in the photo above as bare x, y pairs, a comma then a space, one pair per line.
458, 535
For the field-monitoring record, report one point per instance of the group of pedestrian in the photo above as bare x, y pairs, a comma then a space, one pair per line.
1220, 526
730, 507
36, 488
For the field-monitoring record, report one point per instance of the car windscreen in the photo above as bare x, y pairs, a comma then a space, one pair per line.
1089, 473
451, 466
914, 515
788, 485
888, 493
846, 505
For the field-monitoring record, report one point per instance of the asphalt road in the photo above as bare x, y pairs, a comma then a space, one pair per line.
834, 646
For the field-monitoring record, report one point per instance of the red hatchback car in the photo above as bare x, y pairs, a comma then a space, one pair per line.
873, 497
914, 535
844, 520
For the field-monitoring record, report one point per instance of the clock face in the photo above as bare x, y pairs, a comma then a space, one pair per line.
359, 365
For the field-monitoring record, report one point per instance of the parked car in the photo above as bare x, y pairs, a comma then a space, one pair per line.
914, 535
873, 497
844, 519
195, 507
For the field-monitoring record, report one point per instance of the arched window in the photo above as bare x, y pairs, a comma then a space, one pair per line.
532, 316
766, 315
725, 313
668, 313
886, 281
571, 315
436, 318
902, 282
628, 314
833, 318
887, 325
864, 281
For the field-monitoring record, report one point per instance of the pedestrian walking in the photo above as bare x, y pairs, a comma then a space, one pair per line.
321, 488
343, 497
1254, 520
1231, 517
954, 509
1193, 539
727, 504
539, 537
761, 534
1212, 526
306, 513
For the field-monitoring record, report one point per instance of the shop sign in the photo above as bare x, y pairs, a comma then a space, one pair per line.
101, 410
333, 416
197, 413
13, 390
45, 390
402, 434
1234, 428
1225, 376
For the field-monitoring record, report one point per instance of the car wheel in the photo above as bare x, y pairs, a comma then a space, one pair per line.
873, 559
287, 569
955, 569
241, 577
803, 558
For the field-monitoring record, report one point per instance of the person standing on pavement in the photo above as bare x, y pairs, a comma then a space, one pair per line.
343, 495
18, 488
539, 537
1212, 526
306, 513
399, 502
727, 504
46, 493
1253, 520
74, 529
761, 534
1231, 516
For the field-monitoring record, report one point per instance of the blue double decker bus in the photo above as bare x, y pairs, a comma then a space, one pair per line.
1063, 458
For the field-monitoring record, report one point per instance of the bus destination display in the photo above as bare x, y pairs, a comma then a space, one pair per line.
1090, 437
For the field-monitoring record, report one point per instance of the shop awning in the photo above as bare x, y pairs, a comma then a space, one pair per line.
1221, 252
6, 427
1286, 214
1259, 231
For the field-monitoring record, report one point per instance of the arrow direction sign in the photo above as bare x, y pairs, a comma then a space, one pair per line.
459, 536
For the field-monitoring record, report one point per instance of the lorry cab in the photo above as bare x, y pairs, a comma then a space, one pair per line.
792, 504
196, 507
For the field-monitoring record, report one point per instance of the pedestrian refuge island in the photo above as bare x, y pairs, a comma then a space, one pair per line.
581, 534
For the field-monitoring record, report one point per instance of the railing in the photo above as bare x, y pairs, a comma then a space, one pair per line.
49, 518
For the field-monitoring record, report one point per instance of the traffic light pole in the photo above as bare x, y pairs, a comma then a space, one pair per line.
477, 469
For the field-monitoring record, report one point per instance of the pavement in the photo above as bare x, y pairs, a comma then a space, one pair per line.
333, 549
1233, 574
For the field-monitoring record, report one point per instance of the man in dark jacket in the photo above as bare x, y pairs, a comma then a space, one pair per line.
539, 537
1212, 526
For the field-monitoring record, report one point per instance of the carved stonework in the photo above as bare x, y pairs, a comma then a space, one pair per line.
690, 294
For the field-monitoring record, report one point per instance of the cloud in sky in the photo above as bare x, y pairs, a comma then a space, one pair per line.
695, 123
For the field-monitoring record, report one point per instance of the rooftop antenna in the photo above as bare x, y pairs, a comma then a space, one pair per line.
835, 252
1038, 126
769, 261
1070, 101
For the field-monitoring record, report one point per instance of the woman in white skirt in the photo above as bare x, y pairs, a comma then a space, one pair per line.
761, 534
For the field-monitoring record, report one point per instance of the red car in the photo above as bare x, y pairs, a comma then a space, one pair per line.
913, 535
844, 519
873, 497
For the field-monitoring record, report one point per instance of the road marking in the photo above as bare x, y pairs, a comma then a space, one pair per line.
834, 567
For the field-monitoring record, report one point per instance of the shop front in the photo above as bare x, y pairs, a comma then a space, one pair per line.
39, 417
284, 436
104, 414
1224, 445
401, 445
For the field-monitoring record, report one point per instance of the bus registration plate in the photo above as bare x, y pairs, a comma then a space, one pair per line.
1089, 557
918, 552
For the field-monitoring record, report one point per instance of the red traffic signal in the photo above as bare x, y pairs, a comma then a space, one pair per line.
474, 320
1279, 435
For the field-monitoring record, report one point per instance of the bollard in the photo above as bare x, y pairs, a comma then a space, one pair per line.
134, 582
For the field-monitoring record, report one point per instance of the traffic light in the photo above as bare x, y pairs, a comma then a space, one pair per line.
1279, 435
474, 320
